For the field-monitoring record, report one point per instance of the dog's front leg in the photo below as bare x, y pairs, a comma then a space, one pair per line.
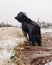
31, 38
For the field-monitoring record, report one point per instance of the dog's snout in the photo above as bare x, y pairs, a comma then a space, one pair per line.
15, 17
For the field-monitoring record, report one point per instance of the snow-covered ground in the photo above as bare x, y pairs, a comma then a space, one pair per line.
44, 30
6, 50
8, 41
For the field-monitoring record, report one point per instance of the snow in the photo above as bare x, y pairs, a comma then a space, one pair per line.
5, 49
43, 30
8, 43
5, 55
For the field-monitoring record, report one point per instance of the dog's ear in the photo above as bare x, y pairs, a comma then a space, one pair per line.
24, 13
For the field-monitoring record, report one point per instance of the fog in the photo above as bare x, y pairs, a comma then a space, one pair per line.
33, 8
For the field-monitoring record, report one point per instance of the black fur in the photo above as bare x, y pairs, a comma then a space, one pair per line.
30, 27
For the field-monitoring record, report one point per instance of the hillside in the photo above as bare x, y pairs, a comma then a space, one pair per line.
16, 50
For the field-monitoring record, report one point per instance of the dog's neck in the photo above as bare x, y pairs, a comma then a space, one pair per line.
27, 20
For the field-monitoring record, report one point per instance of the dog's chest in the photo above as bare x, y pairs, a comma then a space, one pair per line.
26, 27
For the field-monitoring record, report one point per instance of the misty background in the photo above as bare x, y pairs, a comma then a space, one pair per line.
33, 8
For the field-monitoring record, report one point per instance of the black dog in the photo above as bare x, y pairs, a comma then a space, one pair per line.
30, 27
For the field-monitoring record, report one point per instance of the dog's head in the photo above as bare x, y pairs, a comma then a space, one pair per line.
20, 17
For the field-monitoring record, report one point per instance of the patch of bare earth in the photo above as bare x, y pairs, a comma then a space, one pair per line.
37, 55
12, 39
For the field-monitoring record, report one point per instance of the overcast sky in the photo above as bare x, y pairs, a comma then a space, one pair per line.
33, 9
